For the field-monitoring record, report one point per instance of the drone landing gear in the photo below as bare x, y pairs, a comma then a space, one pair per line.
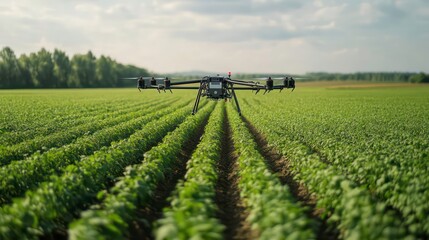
200, 90
197, 101
236, 101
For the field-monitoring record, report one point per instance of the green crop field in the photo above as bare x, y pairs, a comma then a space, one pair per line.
327, 161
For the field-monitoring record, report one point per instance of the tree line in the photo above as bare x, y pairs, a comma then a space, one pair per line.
45, 69
358, 76
371, 76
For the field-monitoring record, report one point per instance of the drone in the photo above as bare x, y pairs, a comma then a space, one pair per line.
214, 87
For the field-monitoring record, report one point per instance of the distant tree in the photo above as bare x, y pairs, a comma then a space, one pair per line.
419, 78
42, 69
106, 73
83, 69
9, 69
50, 70
129, 71
361, 76
25, 66
62, 68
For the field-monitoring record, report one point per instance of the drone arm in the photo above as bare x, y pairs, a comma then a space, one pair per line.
243, 83
253, 88
185, 82
172, 87
183, 87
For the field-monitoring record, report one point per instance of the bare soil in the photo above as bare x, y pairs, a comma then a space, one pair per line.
232, 212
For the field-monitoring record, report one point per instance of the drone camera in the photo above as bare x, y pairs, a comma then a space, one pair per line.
215, 89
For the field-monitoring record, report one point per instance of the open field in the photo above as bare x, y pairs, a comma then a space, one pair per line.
328, 161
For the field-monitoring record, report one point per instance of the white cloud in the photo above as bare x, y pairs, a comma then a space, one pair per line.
256, 36
327, 26
344, 51
330, 12
368, 13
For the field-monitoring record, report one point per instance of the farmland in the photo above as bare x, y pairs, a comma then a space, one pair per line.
324, 162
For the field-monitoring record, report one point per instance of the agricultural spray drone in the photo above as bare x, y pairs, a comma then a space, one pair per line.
218, 87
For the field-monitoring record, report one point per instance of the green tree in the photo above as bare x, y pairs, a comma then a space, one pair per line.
49, 70
129, 71
419, 78
9, 69
62, 68
106, 72
83, 69
25, 66
42, 69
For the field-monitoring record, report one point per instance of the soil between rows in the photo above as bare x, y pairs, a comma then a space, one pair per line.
232, 212
142, 228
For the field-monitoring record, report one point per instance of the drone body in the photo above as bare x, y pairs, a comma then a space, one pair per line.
217, 87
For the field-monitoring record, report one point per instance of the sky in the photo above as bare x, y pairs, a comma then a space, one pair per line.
252, 36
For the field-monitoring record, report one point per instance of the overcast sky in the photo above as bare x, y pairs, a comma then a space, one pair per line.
282, 36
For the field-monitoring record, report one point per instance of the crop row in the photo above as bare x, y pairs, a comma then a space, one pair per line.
378, 147
19, 176
137, 187
58, 139
54, 203
192, 214
50, 119
392, 165
274, 213
347, 204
